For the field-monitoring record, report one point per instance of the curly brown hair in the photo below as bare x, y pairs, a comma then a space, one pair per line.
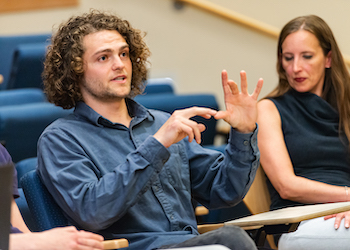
63, 66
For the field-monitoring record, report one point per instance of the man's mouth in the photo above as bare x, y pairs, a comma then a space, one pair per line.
119, 78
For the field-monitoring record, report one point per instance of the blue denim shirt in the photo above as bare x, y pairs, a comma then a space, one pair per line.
121, 182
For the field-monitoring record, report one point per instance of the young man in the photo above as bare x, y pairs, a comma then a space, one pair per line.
59, 238
121, 170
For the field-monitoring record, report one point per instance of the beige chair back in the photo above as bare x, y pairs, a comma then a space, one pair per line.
258, 199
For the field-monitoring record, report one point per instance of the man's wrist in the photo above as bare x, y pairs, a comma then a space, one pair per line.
246, 129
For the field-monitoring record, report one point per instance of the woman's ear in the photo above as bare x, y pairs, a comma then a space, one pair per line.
329, 60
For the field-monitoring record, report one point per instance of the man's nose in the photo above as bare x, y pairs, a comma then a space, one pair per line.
117, 63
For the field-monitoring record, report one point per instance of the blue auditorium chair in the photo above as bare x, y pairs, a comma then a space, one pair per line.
164, 85
171, 102
21, 96
21, 126
27, 66
44, 210
22, 168
8, 45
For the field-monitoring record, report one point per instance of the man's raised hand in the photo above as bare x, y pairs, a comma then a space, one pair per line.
241, 108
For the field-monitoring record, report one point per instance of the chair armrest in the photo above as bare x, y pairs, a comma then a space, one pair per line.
208, 227
115, 244
200, 210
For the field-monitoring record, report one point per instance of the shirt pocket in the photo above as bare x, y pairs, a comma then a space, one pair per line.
176, 170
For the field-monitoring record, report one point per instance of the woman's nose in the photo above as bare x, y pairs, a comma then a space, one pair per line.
296, 65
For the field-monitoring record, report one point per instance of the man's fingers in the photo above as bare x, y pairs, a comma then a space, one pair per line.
244, 84
224, 79
257, 89
220, 115
193, 130
195, 111
233, 87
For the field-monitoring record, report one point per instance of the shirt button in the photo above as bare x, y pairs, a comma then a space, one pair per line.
246, 143
171, 217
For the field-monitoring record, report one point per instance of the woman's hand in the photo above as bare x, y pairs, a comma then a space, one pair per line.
338, 217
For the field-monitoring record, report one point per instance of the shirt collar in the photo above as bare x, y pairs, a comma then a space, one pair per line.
136, 111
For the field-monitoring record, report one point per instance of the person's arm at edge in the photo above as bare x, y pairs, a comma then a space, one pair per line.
278, 166
17, 219
67, 238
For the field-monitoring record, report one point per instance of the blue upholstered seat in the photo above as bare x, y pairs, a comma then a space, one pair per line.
25, 166
27, 66
44, 210
22, 168
21, 126
171, 102
21, 96
8, 45
164, 85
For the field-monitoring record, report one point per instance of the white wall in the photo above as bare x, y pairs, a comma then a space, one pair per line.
192, 46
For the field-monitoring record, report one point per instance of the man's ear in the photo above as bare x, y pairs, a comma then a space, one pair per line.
329, 60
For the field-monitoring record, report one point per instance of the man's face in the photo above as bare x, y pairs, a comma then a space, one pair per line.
107, 67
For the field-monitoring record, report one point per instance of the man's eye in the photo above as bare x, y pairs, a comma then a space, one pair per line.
124, 54
102, 58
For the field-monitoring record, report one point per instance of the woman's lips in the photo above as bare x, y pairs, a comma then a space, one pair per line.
299, 79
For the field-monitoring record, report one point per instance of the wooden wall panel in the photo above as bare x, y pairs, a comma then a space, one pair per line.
24, 5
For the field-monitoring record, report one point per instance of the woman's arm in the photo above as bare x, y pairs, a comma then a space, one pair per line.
68, 238
16, 218
278, 166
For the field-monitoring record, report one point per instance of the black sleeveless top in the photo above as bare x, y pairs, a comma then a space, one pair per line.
310, 128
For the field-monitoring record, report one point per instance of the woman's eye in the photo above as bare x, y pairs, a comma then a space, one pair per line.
288, 58
307, 56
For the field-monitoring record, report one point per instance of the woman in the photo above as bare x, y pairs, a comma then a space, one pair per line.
304, 132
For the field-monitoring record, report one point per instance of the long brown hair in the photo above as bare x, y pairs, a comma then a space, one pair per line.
63, 67
336, 89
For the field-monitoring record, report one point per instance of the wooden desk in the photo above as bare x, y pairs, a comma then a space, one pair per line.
291, 214
286, 219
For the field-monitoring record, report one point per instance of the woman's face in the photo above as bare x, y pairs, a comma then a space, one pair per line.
304, 62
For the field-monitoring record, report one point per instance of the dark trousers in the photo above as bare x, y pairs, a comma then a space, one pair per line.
235, 238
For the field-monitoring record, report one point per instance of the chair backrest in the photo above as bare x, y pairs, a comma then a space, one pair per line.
170, 102
27, 66
8, 44
21, 96
258, 197
45, 211
159, 86
25, 166
258, 200
22, 125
